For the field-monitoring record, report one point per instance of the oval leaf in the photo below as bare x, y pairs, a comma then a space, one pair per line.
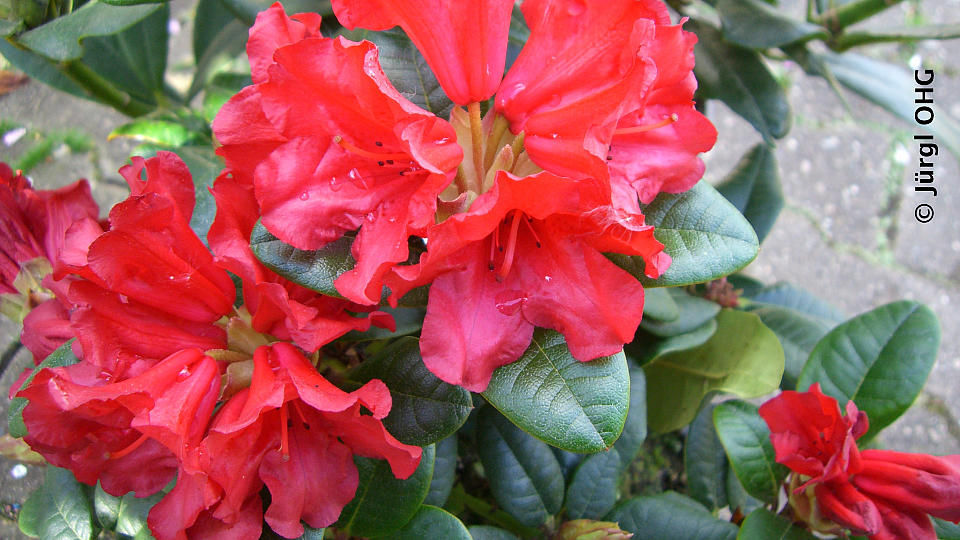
593, 490
383, 502
525, 477
60, 509
432, 522
743, 357
487, 532
425, 409
753, 187
758, 25
762, 524
880, 360
704, 234
659, 305
577, 406
313, 269
646, 347
746, 438
798, 333
444, 472
705, 462
694, 313
670, 515
635, 428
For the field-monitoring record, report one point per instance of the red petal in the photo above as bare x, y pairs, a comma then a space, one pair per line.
921, 482
465, 43
843, 504
178, 510
904, 524
166, 175
272, 30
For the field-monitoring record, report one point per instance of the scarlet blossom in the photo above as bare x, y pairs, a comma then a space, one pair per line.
835, 487
293, 432
35, 229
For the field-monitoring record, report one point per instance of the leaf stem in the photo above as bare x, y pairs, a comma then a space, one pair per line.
102, 90
839, 17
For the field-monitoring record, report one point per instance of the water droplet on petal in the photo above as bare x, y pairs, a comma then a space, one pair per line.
304, 196
509, 302
183, 374
576, 8
392, 219
443, 140
554, 135
370, 217
548, 279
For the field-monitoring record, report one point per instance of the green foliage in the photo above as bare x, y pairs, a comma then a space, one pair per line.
61, 357
577, 406
61, 508
670, 515
746, 439
753, 187
705, 462
762, 524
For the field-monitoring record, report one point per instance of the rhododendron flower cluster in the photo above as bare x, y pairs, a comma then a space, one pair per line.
517, 206
175, 382
836, 487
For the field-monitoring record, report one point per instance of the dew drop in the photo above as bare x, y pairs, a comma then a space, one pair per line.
304, 196
548, 279
554, 135
183, 374
392, 219
443, 140
370, 217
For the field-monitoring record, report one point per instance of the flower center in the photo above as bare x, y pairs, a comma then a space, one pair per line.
242, 342
508, 247
30, 290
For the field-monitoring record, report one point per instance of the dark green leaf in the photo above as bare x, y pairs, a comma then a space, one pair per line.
525, 477
670, 515
61, 357
694, 313
408, 321
646, 347
106, 507
60, 509
425, 409
880, 360
568, 460
132, 517
60, 38
131, 2
408, 71
593, 490
704, 234
798, 334
486, 532
946, 530
743, 357
739, 78
41, 69
746, 438
658, 304
519, 34
218, 38
705, 462
793, 297
577, 406
762, 524
384, 503
432, 522
737, 497
246, 10
754, 188
444, 472
755, 24
314, 269
635, 428
847, 40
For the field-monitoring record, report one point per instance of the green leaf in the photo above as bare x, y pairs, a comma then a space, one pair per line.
41, 69
444, 472
432, 522
384, 503
737, 497
408, 321
246, 10
762, 524
753, 186
407, 69
798, 334
313, 269
60, 39
425, 409
847, 40
630, 443
593, 490
945, 529
60, 509
757, 25
646, 347
704, 234
132, 516
658, 304
880, 360
155, 131
746, 438
131, 2
793, 297
106, 508
518, 36
577, 406
739, 78
670, 515
63, 356
218, 38
743, 357
892, 88
9, 27
705, 462
694, 313
525, 477
487, 532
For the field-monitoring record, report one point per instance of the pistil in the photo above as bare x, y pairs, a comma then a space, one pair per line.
649, 127
380, 157
476, 133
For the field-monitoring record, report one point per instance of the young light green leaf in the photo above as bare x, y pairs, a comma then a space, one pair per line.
577, 406
753, 187
645, 347
704, 234
743, 357
880, 360
746, 438
525, 477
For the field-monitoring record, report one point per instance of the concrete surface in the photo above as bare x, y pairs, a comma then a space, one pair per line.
848, 233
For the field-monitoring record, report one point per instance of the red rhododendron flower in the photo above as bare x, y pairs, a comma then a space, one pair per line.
884, 494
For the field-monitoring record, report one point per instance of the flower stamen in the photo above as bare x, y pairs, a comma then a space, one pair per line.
379, 157
511, 247
649, 127
133, 446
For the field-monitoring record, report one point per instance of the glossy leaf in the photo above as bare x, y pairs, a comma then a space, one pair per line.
737, 497
880, 360
425, 409
432, 522
577, 406
60, 509
630, 443
659, 305
407, 69
646, 347
743, 357
444, 472
487, 532
106, 508
132, 516
525, 477
705, 462
670, 515
383, 503
753, 186
246, 10
755, 24
704, 234
593, 489
61, 357
746, 438
945, 529
739, 78
313, 269
694, 313
762, 524
793, 297
798, 333
218, 37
